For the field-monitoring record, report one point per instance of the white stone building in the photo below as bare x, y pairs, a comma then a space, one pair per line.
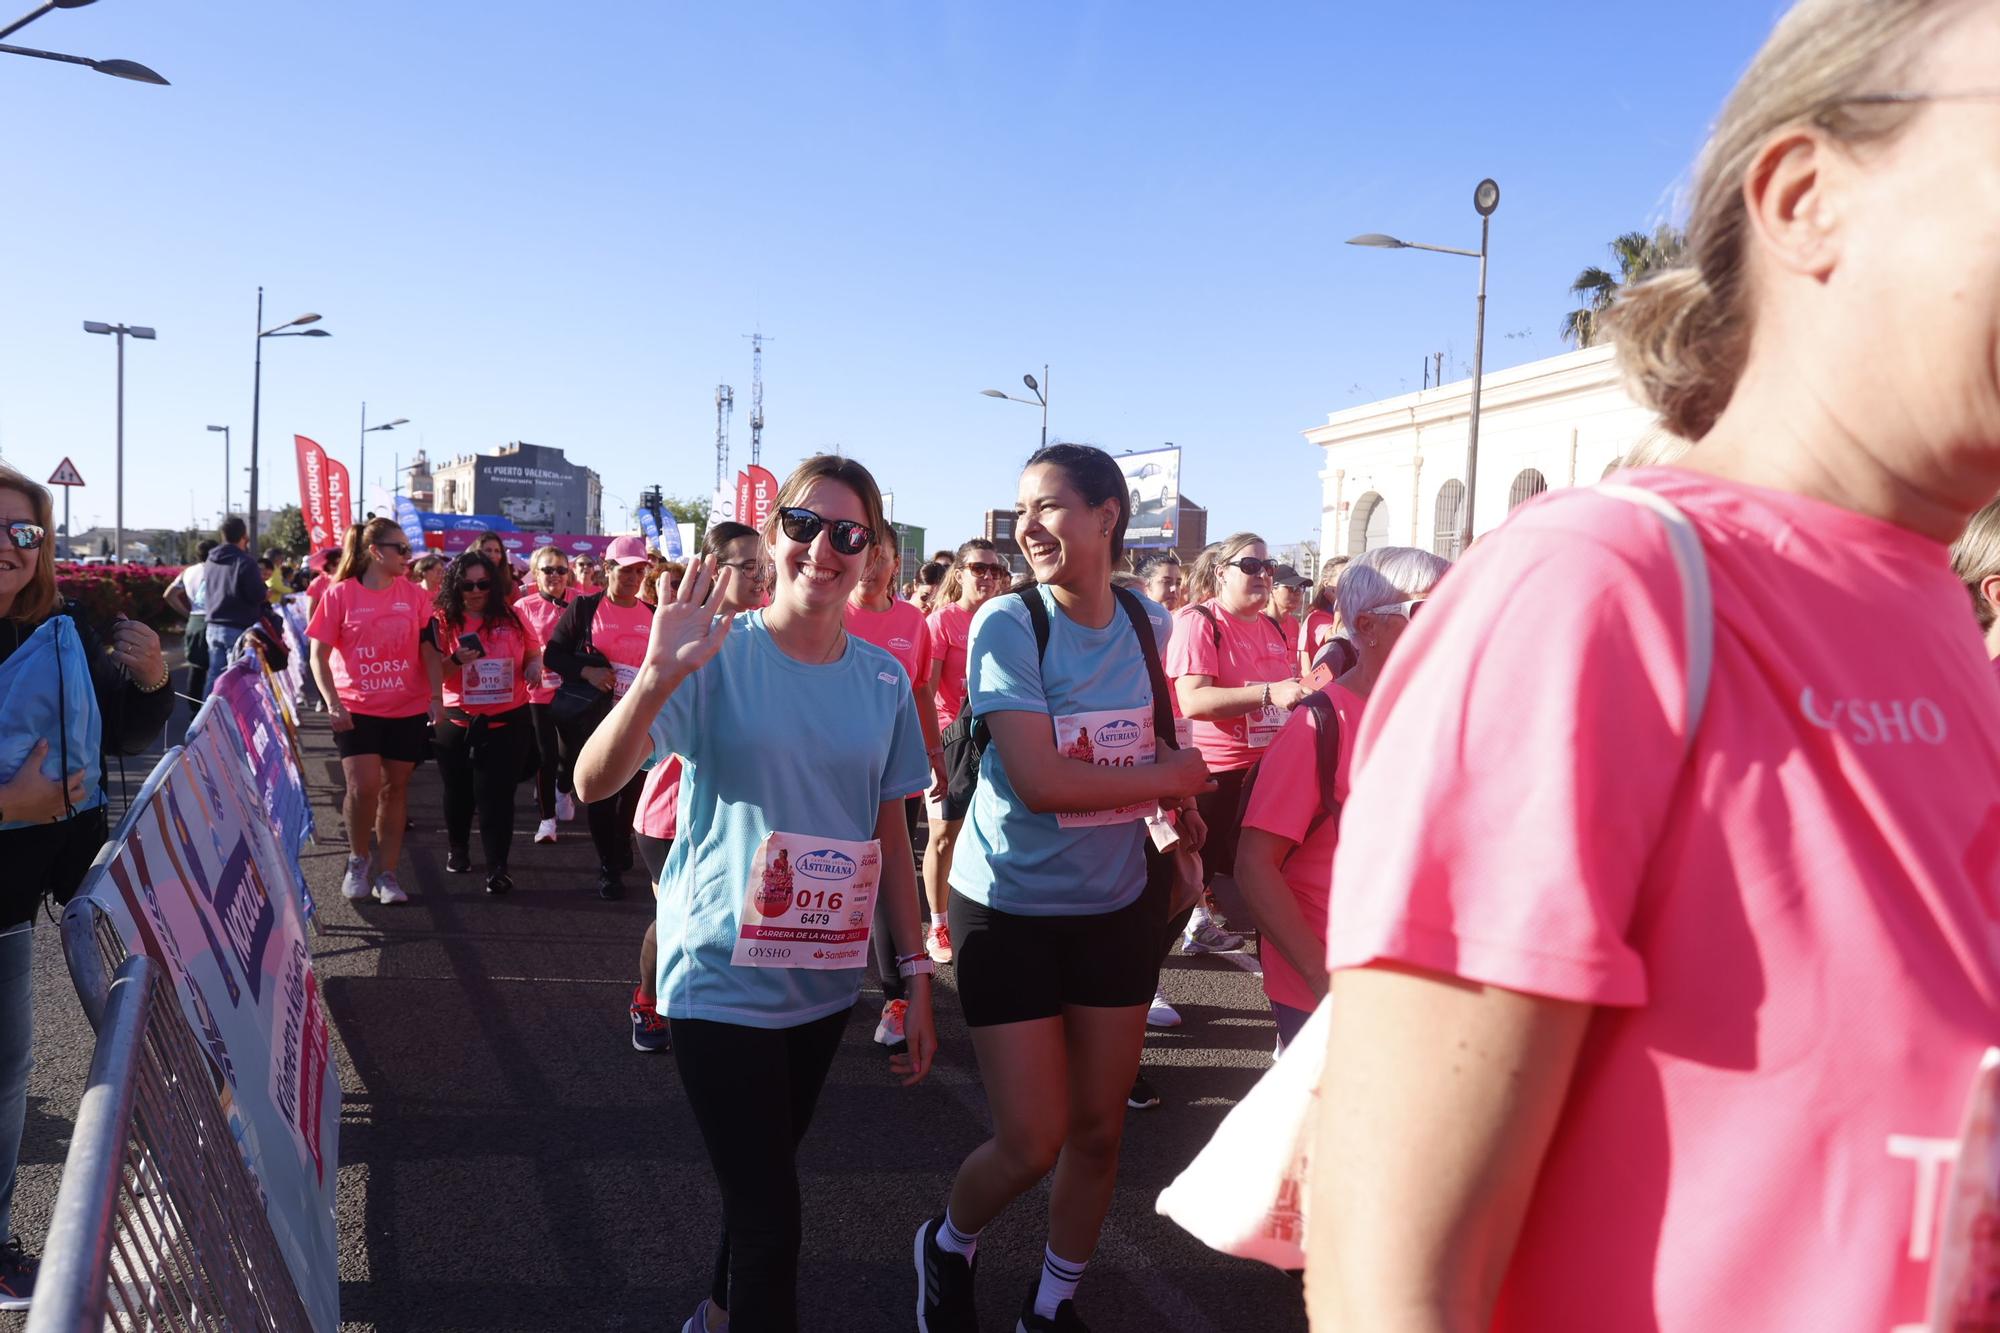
1394, 472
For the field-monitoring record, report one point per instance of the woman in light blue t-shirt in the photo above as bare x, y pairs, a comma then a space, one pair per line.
798, 743
1057, 908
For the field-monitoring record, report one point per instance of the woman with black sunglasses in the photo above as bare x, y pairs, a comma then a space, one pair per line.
798, 743
368, 664
52, 812
481, 661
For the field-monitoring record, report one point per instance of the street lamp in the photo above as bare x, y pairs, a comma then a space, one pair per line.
119, 333
225, 468
1485, 198
117, 69
288, 329
1040, 398
365, 429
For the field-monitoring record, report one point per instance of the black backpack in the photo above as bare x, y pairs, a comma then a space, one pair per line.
1325, 724
966, 739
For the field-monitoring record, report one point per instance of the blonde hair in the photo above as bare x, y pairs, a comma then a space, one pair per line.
1204, 581
831, 467
38, 598
1975, 558
1683, 335
953, 586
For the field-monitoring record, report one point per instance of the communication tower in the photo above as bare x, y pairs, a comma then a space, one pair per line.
725, 403
757, 341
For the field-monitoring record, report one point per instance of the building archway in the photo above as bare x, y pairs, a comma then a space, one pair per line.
1369, 527
1448, 520
1529, 484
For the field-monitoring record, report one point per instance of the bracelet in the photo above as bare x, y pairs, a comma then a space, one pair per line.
1267, 696
903, 958
166, 675
920, 966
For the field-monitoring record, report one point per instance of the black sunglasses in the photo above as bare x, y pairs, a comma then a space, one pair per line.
26, 536
401, 548
848, 537
1252, 567
984, 569
479, 585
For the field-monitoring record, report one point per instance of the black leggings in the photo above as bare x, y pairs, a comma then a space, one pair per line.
552, 772
752, 1091
883, 943
611, 824
480, 758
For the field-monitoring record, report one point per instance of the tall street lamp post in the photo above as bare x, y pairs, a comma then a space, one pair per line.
119, 332
362, 507
1485, 198
225, 468
1040, 399
289, 329
117, 69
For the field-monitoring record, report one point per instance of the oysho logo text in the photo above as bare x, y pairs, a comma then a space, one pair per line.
1877, 721
826, 864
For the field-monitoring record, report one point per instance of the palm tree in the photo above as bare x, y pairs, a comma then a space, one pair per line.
1638, 256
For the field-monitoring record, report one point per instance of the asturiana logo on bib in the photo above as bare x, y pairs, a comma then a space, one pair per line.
1118, 734
826, 864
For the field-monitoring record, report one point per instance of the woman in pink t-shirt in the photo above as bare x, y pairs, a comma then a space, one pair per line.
365, 660
1664, 964
1284, 854
1233, 674
548, 571
1975, 558
598, 645
977, 575
482, 661
1322, 620
875, 614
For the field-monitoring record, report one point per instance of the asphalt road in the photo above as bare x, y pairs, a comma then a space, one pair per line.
509, 1162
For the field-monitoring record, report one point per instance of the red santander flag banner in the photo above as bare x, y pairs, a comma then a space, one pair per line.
339, 501
763, 497
743, 497
313, 493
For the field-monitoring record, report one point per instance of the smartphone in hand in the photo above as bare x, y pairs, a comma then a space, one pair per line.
470, 643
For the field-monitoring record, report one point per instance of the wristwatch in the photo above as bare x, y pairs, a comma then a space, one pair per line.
915, 965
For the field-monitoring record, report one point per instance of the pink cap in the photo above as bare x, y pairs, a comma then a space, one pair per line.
626, 551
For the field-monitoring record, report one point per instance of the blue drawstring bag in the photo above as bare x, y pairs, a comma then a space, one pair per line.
46, 694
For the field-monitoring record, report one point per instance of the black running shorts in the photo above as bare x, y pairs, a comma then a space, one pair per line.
404, 738
1012, 968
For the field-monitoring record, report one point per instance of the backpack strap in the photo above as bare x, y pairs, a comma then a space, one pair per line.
1697, 596
1142, 625
1214, 625
1038, 618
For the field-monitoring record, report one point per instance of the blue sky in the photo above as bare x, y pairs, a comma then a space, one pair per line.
555, 223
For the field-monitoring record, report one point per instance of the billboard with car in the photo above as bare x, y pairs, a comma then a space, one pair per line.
1153, 492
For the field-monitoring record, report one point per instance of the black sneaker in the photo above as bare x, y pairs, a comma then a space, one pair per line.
499, 882
1066, 1318
944, 1285
1142, 1097
457, 861
610, 886
17, 1275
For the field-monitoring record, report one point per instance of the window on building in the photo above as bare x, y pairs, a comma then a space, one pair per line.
1529, 484
1448, 523
1369, 528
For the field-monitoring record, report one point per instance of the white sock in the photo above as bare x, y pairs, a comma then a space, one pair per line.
1199, 919
1059, 1279
953, 1241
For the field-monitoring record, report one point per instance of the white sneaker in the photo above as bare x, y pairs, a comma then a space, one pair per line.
354, 884
937, 941
1160, 1014
387, 890
565, 807
889, 1032
545, 831
698, 1322
1207, 937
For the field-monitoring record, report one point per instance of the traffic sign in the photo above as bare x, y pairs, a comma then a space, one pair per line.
66, 475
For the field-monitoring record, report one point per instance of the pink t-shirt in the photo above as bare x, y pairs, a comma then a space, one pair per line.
1316, 621
1286, 801
902, 632
540, 615
495, 683
316, 590
951, 631
621, 633
1790, 929
376, 670
1253, 651
658, 815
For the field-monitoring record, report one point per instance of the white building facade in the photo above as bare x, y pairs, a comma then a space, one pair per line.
1394, 470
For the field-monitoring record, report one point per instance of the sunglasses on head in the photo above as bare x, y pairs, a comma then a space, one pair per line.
847, 536
1407, 610
26, 536
1252, 567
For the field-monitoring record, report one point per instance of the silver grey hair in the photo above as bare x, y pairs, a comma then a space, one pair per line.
1385, 576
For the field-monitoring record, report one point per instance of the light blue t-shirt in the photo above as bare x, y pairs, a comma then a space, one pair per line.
769, 743
1012, 859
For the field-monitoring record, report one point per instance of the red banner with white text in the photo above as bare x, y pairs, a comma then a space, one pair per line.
313, 493
763, 497
339, 501
743, 497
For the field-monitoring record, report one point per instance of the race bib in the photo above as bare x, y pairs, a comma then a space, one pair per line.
1262, 726
1965, 1274
1118, 738
1183, 733
621, 679
486, 681
809, 903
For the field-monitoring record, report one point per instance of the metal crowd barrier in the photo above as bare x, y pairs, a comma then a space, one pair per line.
159, 1224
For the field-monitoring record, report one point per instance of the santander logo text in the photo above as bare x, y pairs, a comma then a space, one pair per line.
1877, 721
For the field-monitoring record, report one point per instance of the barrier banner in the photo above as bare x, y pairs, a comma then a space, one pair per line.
251, 707
292, 680
312, 493
197, 880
